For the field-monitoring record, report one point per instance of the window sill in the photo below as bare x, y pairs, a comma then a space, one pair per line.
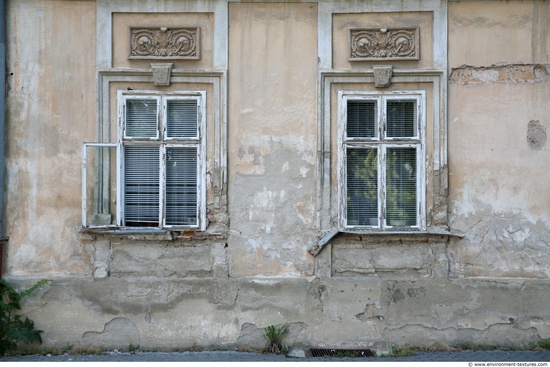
402, 232
148, 234
318, 246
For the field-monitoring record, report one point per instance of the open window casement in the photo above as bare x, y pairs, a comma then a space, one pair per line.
381, 160
101, 169
160, 161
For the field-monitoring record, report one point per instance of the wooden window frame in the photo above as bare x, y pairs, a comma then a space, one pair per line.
381, 142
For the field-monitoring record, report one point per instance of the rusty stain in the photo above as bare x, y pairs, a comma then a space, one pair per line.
318, 246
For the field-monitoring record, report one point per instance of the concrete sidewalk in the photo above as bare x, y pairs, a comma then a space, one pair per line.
232, 356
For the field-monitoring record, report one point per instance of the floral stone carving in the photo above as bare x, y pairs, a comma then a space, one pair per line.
386, 43
164, 43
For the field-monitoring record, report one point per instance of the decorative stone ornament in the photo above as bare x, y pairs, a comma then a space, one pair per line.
165, 43
382, 76
368, 44
161, 73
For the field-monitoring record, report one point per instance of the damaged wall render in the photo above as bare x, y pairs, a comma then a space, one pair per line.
465, 261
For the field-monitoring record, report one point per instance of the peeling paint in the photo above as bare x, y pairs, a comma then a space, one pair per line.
506, 73
221, 288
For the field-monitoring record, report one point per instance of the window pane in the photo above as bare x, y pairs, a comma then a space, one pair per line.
141, 118
401, 119
361, 119
401, 200
181, 118
141, 187
362, 187
181, 186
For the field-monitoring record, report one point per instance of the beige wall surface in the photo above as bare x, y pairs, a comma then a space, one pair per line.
272, 137
493, 32
498, 117
486, 282
52, 110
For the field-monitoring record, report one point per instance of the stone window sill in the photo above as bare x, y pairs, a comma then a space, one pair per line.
316, 247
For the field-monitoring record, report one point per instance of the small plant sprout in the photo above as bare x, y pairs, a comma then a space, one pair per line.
133, 348
274, 336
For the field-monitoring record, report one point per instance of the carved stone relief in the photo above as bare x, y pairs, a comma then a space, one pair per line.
368, 44
164, 43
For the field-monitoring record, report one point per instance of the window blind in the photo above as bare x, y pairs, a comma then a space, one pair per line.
401, 119
181, 186
361, 119
142, 189
141, 118
362, 186
401, 200
181, 119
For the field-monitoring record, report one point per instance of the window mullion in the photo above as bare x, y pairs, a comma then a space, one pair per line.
162, 157
382, 162
119, 180
382, 184
199, 180
162, 183
382, 118
162, 119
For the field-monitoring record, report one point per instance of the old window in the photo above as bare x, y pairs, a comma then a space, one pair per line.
381, 165
160, 161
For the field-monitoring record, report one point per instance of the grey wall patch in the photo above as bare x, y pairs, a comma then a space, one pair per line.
117, 333
536, 135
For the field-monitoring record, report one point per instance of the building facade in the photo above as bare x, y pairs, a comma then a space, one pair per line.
369, 173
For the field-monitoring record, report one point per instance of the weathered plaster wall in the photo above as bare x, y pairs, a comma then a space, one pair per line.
272, 137
182, 290
51, 111
372, 312
498, 117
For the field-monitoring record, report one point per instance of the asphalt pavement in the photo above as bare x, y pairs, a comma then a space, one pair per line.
234, 356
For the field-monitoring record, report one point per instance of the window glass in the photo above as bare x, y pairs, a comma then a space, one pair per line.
142, 186
141, 118
401, 117
361, 119
401, 200
381, 185
181, 186
181, 120
362, 186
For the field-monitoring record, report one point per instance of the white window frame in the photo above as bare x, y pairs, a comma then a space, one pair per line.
162, 141
85, 147
381, 142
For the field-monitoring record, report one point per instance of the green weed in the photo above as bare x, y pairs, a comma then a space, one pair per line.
274, 336
13, 328
132, 347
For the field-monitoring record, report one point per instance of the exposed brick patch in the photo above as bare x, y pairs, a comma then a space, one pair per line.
506, 73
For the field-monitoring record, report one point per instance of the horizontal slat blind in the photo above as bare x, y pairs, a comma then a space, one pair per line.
181, 185
361, 119
141, 118
182, 118
142, 189
401, 191
401, 119
362, 186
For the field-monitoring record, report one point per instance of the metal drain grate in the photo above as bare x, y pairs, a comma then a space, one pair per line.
342, 353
